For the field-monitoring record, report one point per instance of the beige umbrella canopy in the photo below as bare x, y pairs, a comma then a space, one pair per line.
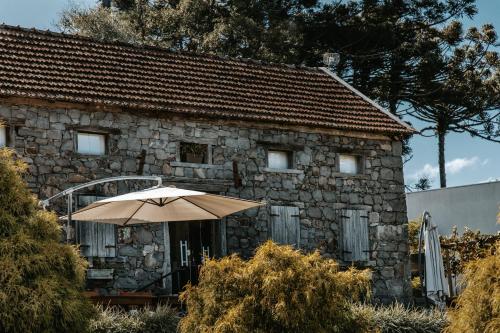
162, 204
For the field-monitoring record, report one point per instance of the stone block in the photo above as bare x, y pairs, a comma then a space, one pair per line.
386, 174
130, 165
127, 250
125, 283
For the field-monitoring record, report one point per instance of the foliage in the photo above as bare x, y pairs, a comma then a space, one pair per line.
416, 286
41, 278
266, 30
470, 246
162, 319
422, 184
278, 290
193, 148
397, 318
478, 306
413, 233
457, 88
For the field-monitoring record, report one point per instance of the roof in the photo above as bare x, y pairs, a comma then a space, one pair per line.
69, 68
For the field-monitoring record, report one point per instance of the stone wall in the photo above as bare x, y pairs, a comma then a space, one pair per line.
148, 144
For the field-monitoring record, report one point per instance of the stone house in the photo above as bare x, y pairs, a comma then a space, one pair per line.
325, 157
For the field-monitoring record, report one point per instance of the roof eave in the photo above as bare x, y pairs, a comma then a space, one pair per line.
410, 130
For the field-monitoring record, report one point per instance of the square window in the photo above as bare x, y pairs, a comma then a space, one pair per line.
91, 144
194, 152
3, 137
349, 164
279, 159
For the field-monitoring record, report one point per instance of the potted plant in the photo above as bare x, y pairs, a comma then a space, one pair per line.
193, 152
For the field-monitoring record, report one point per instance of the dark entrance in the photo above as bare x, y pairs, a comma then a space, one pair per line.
190, 243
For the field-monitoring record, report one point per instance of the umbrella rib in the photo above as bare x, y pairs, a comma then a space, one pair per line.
206, 210
131, 216
233, 198
89, 208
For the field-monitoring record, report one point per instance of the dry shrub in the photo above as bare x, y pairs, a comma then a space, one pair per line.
278, 290
40, 278
397, 318
478, 307
161, 319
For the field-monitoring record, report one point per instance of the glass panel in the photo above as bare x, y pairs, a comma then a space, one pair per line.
3, 137
278, 159
348, 164
91, 144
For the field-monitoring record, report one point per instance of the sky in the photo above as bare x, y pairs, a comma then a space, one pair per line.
469, 160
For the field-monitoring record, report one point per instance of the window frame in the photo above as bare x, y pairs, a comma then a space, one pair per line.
102, 134
290, 158
84, 249
6, 132
360, 163
208, 160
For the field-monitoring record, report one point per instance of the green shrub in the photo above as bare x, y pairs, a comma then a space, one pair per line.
278, 290
162, 319
478, 306
397, 318
41, 279
413, 233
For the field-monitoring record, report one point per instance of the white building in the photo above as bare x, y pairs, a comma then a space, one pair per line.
475, 206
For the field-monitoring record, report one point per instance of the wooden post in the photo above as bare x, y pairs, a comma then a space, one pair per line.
448, 272
167, 267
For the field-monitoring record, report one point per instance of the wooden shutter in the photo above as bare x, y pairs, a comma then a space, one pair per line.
285, 225
96, 239
355, 244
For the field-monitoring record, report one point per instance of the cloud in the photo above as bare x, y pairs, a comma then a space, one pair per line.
458, 164
452, 167
491, 179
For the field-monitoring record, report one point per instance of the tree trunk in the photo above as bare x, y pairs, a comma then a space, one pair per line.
442, 162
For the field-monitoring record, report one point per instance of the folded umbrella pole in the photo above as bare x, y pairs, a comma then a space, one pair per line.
434, 279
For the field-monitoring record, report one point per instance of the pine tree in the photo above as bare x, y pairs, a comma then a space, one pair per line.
41, 279
457, 87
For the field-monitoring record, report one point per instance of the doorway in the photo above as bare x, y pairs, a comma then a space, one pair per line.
190, 243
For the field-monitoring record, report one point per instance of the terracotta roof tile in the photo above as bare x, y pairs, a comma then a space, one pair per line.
62, 67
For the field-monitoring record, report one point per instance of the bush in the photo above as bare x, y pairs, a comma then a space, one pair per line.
278, 290
114, 320
413, 233
478, 307
41, 279
398, 319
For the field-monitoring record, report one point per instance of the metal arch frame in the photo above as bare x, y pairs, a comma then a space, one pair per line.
69, 192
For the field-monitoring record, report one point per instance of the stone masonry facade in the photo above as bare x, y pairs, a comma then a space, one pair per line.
148, 144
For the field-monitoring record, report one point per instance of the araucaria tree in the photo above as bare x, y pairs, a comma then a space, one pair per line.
458, 87
40, 279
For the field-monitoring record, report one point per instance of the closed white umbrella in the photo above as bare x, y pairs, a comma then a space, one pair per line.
436, 285
162, 204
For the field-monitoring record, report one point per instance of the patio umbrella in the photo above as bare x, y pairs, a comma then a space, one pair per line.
436, 285
162, 204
